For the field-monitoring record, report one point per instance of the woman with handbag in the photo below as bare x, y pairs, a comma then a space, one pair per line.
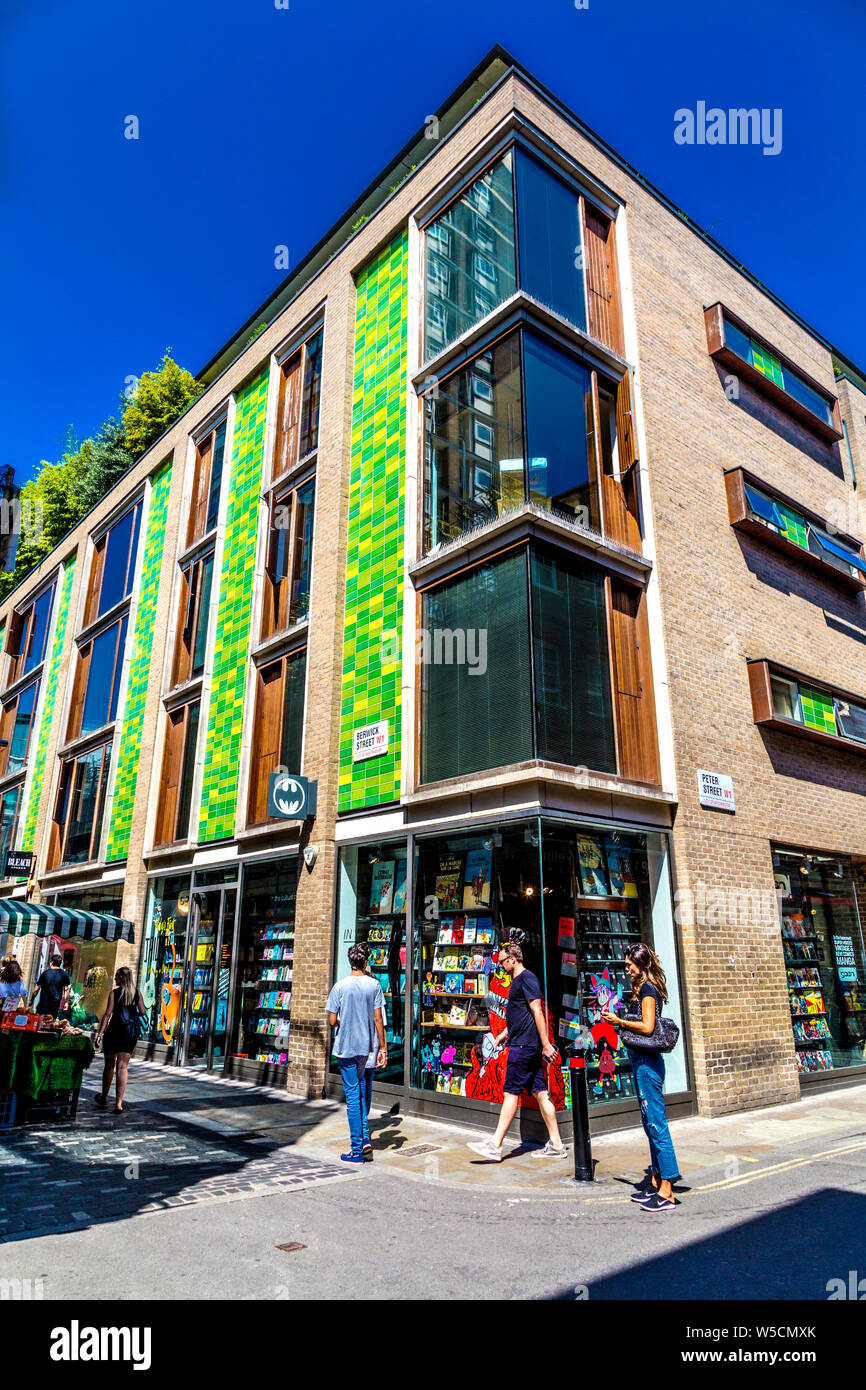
647, 1036
121, 1029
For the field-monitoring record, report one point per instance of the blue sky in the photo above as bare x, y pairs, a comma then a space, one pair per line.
259, 126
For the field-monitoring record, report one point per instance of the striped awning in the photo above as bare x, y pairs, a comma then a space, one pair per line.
21, 918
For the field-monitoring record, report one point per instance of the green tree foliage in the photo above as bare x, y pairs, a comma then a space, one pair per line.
160, 398
62, 493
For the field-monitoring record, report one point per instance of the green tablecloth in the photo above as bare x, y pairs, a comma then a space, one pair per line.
34, 1062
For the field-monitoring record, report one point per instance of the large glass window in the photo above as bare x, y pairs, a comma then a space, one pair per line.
178, 773
551, 263
193, 615
16, 726
825, 960
163, 957
470, 257
97, 688
265, 955
9, 804
27, 636
80, 804
298, 405
207, 483
535, 640
765, 361
289, 557
520, 399
113, 568
372, 908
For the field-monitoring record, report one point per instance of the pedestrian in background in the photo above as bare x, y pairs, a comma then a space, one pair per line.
356, 1008
52, 987
13, 991
120, 1029
648, 998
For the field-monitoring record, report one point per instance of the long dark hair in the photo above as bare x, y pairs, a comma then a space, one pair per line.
649, 965
11, 972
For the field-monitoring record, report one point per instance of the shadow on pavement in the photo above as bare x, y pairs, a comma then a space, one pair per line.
790, 1253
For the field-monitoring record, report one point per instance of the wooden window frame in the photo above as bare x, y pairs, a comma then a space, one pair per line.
267, 735
82, 675
8, 716
189, 617
290, 406
714, 323
739, 514
761, 673
19, 635
171, 775
97, 565
276, 616
202, 477
60, 818
631, 683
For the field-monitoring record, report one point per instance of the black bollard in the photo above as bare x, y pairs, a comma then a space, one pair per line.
580, 1118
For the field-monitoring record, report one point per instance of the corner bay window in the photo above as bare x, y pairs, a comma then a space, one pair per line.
178, 770
526, 422
565, 257
207, 480
527, 631
77, 821
278, 727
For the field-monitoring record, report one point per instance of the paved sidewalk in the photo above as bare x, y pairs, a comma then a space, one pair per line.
274, 1127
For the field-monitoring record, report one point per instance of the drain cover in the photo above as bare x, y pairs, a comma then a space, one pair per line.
290, 1246
415, 1149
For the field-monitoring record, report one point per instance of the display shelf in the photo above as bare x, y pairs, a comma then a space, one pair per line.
458, 1027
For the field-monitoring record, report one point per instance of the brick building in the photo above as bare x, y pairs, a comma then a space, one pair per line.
527, 514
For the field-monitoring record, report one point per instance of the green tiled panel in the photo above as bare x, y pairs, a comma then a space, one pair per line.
127, 753
374, 562
219, 793
52, 681
818, 712
795, 526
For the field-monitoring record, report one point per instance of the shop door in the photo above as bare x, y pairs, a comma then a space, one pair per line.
207, 981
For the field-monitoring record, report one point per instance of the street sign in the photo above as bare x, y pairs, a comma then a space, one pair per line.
290, 796
716, 791
370, 742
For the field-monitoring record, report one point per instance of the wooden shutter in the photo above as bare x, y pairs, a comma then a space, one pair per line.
626, 435
95, 583
288, 415
79, 689
59, 817
183, 639
267, 732
602, 281
172, 765
200, 489
14, 634
632, 671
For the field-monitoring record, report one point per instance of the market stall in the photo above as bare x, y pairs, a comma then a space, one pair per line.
41, 1067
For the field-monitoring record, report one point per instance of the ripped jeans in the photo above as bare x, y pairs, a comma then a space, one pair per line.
649, 1079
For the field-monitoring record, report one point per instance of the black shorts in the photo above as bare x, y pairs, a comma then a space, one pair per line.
524, 1072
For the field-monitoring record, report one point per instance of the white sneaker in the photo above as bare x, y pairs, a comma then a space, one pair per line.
549, 1151
487, 1149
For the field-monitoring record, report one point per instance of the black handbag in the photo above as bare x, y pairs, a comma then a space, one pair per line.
663, 1038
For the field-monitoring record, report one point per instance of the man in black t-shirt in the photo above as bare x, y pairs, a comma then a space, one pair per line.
528, 1046
53, 987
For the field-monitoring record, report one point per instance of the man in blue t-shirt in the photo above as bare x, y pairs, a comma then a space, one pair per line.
356, 1007
528, 1046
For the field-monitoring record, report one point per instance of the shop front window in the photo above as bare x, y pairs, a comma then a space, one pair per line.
264, 963
581, 894
372, 908
163, 957
90, 965
825, 962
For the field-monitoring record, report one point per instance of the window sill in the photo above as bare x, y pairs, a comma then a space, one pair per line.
85, 743
194, 550
292, 475
760, 673
15, 687
738, 512
279, 642
738, 366
537, 770
527, 521
105, 619
180, 694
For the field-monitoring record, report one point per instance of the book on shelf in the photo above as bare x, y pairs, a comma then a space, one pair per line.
619, 870
477, 875
382, 887
399, 903
448, 878
593, 879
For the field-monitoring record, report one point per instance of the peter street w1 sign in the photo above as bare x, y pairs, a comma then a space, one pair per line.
716, 791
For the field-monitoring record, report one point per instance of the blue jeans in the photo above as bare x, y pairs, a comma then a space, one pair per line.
648, 1069
358, 1088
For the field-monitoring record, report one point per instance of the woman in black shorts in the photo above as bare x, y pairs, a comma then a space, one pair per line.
118, 1032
